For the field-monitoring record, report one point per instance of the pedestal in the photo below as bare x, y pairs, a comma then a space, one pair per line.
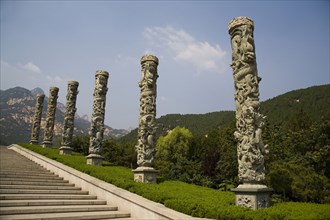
46, 144
34, 142
65, 150
95, 159
145, 175
253, 196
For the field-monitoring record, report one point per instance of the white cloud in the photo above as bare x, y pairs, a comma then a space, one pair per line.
163, 98
54, 79
202, 55
31, 67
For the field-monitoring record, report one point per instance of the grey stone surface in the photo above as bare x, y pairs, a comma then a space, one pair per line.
50, 117
252, 196
97, 125
27, 191
94, 159
145, 146
37, 119
137, 206
145, 175
70, 111
249, 120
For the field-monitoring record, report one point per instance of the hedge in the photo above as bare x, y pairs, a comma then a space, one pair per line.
190, 199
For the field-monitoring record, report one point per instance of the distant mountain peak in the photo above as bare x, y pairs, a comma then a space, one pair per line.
17, 110
85, 117
37, 91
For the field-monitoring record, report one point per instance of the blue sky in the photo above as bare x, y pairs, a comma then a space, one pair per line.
47, 43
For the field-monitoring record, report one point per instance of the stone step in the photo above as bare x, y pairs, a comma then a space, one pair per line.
29, 191
13, 203
41, 171
10, 174
34, 180
27, 177
39, 187
44, 196
46, 191
26, 167
40, 183
120, 218
69, 216
55, 209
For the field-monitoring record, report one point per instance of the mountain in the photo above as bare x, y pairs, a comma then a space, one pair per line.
36, 91
315, 101
17, 110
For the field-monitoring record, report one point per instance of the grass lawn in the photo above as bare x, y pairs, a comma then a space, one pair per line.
190, 199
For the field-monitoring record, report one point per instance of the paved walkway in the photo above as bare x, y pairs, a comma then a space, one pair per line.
28, 191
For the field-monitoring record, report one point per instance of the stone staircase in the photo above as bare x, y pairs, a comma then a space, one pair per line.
28, 191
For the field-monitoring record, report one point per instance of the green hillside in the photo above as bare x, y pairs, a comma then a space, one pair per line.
202, 150
315, 101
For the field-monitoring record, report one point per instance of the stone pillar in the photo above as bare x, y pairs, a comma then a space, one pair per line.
147, 125
50, 117
37, 119
69, 118
97, 125
251, 192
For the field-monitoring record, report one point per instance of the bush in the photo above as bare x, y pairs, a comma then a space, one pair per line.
298, 182
190, 199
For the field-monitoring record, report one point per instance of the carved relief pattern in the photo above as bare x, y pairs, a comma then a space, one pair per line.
147, 126
50, 116
249, 121
70, 111
245, 201
97, 124
37, 118
263, 201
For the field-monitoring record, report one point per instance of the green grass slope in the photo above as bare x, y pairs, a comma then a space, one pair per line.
186, 198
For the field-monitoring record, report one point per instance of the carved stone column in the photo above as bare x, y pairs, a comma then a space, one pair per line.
37, 119
147, 125
69, 118
251, 192
97, 126
50, 117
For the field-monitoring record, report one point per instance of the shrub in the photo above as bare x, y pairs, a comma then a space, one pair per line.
190, 199
298, 182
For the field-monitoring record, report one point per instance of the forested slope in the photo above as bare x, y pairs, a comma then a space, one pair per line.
315, 101
201, 149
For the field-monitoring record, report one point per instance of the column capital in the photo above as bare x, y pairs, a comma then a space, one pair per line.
102, 73
149, 57
238, 21
72, 82
40, 95
53, 88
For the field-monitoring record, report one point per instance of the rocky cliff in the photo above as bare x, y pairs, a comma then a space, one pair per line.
17, 108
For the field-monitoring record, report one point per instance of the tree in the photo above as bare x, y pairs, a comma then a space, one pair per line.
298, 182
119, 153
172, 151
227, 166
80, 144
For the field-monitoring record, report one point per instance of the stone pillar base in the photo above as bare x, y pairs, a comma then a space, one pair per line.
35, 142
253, 196
145, 175
95, 159
65, 150
46, 144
